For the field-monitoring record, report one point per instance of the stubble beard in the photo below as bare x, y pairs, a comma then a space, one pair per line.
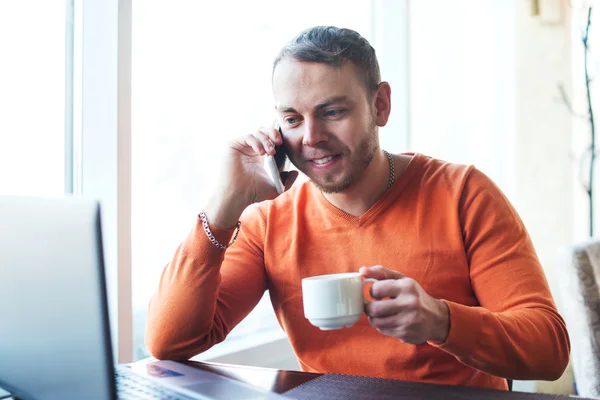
359, 162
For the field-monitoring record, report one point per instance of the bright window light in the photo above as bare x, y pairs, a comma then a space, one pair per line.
32, 97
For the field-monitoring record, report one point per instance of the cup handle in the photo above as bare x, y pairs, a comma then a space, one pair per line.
367, 280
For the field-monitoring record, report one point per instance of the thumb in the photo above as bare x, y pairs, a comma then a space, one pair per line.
380, 273
288, 178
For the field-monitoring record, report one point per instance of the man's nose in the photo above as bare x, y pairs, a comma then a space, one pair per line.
314, 132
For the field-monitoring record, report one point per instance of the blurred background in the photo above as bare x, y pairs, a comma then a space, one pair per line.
130, 102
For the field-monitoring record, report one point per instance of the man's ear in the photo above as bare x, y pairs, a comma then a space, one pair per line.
382, 102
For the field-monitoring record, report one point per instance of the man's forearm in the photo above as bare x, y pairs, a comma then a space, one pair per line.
529, 343
181, 312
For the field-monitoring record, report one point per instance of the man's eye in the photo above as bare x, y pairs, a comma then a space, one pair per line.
333, 113
291, 121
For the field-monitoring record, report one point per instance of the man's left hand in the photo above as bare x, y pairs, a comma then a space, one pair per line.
403, 309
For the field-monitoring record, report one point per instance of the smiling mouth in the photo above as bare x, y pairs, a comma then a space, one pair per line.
324, 160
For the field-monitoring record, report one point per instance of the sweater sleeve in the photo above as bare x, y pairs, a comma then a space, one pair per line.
204, 292
516, 331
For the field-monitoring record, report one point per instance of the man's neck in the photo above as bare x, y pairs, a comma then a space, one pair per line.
361, 196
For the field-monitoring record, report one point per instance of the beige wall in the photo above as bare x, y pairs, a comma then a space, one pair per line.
544, 166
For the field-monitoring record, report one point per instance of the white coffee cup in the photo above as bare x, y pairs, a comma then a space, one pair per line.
334, 301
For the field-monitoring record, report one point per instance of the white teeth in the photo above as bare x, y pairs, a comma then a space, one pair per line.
323, 160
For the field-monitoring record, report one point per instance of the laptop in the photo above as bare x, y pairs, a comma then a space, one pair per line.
55, 338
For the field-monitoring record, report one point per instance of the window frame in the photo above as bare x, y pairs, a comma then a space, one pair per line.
104, 149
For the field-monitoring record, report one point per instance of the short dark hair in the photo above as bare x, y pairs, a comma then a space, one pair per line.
334, 46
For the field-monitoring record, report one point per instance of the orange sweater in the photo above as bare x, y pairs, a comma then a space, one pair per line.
446, 226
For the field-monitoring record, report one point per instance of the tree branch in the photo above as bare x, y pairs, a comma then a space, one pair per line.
592, 124
565, 98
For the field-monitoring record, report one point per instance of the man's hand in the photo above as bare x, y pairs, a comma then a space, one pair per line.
243, 178
407, 312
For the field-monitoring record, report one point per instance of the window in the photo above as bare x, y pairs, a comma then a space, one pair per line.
33, 34
201, 74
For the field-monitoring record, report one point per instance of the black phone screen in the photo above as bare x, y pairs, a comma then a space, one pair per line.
280, 155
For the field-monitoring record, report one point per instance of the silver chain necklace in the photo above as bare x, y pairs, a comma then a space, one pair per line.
392, 171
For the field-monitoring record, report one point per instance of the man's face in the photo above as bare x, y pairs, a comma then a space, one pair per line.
328, 121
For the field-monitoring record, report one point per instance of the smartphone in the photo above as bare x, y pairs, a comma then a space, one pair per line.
276, 164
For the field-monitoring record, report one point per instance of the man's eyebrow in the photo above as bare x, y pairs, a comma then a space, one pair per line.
286, 109
324, 104
331, 101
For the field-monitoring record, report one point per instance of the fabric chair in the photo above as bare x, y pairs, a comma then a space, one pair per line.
579, 302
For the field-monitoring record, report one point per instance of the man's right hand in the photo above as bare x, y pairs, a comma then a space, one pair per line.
243, 178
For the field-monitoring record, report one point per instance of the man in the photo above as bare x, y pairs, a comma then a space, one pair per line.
463, 298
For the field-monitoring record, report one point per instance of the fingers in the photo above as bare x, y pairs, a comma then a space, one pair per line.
384, 308
381, 308
266, 142
272, 133
385, 288
269, 138
402, 297
394, 288
387, 322
397, 317
277, 129
262, 142
380, 273
405, 310
256, 145
401, 326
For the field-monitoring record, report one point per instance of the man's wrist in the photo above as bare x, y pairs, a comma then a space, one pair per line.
224, 212
222, 218
443, 322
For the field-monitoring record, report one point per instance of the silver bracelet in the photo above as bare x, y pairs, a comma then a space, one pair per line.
214, 241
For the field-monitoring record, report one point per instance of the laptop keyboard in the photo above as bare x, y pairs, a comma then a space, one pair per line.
132, 386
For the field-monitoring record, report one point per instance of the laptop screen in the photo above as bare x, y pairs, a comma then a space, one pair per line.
54, 331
